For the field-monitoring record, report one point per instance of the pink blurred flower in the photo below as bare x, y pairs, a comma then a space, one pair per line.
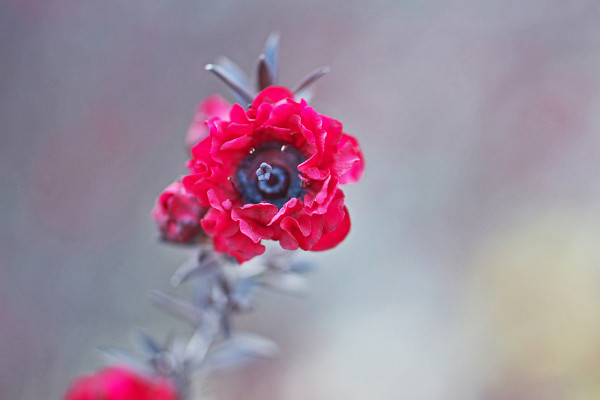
213, 106
119, 383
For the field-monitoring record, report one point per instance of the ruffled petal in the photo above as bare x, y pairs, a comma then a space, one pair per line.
333, 127
332, 239
238, 115
254, 220
272, 95
350, 160
301, 230
217, 221
319, 195
335, 212
242, 248
290, 207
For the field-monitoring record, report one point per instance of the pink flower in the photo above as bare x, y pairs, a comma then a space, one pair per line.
213, 106
119, 383
272, 172
178, 214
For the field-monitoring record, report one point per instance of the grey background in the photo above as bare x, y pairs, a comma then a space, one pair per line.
471, 271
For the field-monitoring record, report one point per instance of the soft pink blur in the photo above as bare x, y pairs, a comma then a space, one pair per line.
471, 269
211, 107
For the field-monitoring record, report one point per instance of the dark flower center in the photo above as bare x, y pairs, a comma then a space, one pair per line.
270, 173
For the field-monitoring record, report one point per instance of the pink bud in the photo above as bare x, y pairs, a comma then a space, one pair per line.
177, 214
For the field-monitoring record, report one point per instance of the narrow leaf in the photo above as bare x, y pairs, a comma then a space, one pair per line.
185, 270
310, 79
268, 62
177, 307
265, 77
238, 90
147, 343
235, 71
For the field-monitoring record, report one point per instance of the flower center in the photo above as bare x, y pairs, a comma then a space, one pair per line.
270, 173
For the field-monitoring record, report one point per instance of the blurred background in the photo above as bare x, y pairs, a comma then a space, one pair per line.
473, 267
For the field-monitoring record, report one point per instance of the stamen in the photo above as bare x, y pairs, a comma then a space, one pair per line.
252, 150
230, 179
264, 172
285, 146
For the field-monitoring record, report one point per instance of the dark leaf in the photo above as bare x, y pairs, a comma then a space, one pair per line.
310, 79
147, 343
238, 89
268, 62
265, 77
235, 71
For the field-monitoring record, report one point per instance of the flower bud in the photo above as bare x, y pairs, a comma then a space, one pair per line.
120, 383
177, 214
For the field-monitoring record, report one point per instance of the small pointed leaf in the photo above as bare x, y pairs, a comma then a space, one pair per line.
237, 88
265, 76
185, 270
177, 307
147, 343
235, 71
268, 62
310, 79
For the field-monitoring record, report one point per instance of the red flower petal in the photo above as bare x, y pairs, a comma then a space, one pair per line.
301, 230
217, 221
332, 239
272, 95
254, 220
238, 115
334, 133
311, 128
335, 212
242, 248
349, 152
263, 113
319, 195
292, 206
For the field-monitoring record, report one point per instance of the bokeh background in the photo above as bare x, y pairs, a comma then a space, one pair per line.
473, 267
